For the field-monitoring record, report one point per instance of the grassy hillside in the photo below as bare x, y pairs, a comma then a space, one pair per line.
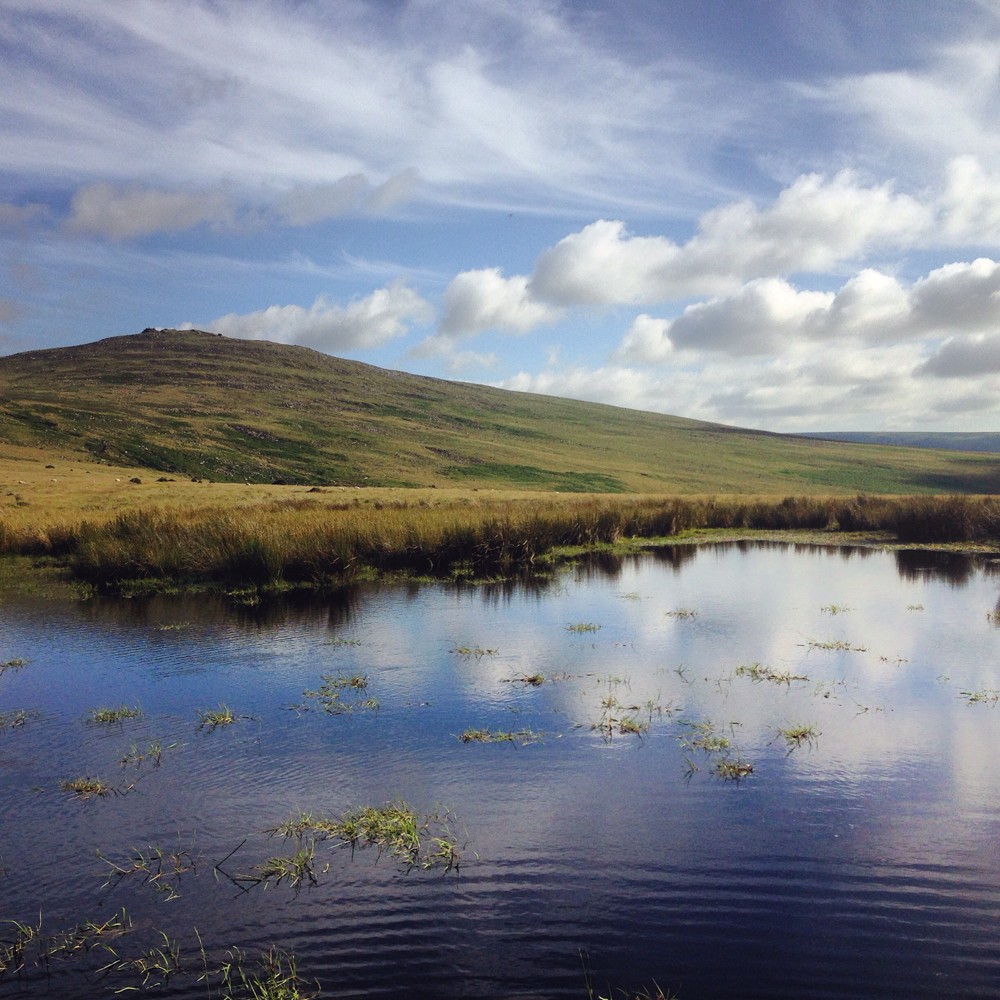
193, 404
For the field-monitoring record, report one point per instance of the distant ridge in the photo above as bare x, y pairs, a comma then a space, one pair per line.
943, 440
187, 402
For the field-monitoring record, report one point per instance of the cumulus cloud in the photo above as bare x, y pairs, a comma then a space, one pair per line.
485, 300
961, 357
769, 315
385, 315
814, 224
129, 212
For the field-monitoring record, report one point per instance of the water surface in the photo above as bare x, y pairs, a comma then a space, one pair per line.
863, 862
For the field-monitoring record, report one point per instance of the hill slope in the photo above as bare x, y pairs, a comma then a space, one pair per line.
206, 406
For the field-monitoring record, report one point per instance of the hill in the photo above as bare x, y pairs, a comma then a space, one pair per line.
196, 404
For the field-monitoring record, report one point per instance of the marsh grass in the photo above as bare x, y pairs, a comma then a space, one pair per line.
757, 672
681, 613
88, 788
274, 976
984, 696
109, 716
795, 736
476, 651
340, 693
17, 718
732, 770
212, 718
583, 627
836, 646
394, 829
161, 870
14, 949
274, 543
17, 663
153, 968
521, 736
397, 830
152, 752
529, 680
835, 609
297, 868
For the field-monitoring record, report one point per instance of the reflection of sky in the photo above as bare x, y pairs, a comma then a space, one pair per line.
892, 814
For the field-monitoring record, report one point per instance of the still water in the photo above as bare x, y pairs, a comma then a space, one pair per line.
861, 861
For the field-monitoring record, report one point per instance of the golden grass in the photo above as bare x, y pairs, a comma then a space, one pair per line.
112, 532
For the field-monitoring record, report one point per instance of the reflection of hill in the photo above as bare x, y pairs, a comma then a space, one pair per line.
955, 568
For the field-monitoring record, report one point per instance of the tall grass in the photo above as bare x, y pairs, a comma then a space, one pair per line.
313, 545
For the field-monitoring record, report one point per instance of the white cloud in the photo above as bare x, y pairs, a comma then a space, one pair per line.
815, 224
604, 264
969, 207
485, 300
133, 211
947, 105
384, 315
769, 315
963, 357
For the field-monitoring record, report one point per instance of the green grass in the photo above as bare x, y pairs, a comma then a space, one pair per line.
192, 404
110, 715
213, 718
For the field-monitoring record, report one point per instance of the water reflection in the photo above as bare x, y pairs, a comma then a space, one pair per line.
861, 861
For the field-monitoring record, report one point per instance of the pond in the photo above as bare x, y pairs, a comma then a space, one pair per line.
744, 770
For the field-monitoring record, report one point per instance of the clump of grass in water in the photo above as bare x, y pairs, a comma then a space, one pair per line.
16, 664
532, 680
396, 829
732, 770
758, 672
153, 866
836, 645
522, 736
297, 868
16, 719
212, 718
108, 716
984, 696
13, 952
152, 752
275, 977
795, 736
835, 609
340, 693
583, 627
681, 613
393, 828
477, 651
87, 788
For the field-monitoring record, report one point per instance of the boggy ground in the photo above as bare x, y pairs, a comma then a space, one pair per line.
122, 530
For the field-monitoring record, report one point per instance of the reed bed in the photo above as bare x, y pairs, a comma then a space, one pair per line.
315, 544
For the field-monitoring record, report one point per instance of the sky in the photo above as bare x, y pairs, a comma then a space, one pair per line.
781, 214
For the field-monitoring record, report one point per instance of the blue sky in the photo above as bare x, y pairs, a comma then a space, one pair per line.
782, 215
